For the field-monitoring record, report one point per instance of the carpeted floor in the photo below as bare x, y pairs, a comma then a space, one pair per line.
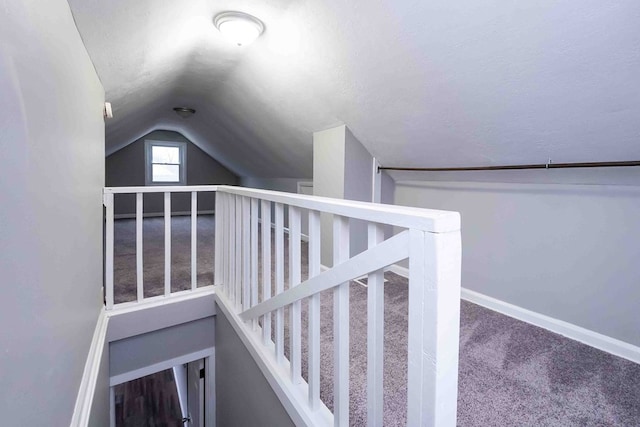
153, 256
511, 373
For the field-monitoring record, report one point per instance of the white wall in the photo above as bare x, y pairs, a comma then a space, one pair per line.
141, 351
342, 169
52, 144
358, 181
568, 251
328, 162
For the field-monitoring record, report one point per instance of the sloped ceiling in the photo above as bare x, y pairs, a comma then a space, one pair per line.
420, 83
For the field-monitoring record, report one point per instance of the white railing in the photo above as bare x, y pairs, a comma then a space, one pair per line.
247, 220
429, 239
108, 200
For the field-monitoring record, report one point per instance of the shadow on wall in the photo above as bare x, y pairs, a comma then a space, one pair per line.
126, 168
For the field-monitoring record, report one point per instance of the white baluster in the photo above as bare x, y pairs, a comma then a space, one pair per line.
375, 335
314, 312
194, 240
246, 253
266, 267
167, 244
231, 286
238, 260
254, 257
279, 235
341, 326
139, 248
295, 311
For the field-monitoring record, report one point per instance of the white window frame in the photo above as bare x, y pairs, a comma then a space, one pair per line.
148, 158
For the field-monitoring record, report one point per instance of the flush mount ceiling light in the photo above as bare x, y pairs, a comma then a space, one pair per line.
241, 28
184, 112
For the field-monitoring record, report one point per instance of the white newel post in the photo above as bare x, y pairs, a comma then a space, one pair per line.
434, 323
108, 259
341, 326
375, 335
218, 240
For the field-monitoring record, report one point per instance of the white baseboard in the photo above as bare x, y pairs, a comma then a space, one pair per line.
84, 400
161, 214
569, 330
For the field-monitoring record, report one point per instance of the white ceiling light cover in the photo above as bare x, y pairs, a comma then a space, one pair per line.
238, 27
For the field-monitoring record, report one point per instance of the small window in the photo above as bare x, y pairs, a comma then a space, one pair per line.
166, 163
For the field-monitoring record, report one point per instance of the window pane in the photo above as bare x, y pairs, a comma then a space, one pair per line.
162, 154
166, 173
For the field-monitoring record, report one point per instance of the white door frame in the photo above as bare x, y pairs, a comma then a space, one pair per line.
210, 397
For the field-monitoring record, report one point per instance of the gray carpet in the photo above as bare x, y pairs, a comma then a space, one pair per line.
153, 256
511, 373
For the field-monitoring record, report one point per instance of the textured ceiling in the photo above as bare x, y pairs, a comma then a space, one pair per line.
420, 83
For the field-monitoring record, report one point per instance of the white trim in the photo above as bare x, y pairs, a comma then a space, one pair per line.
161, 214
180, 379
160, 189
566, 329
159, 300
300, 184
86, 391
112, 407
292, 397
569, 330
399, 270
148, 161
210, 390
303, 237
376, 181
160, 366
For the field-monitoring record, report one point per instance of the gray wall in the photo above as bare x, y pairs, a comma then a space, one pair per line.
387, 188
126, 167
358, 175
289, 185
244, 397
568, 251
100, 407
342, 169
52, 141
147, 349
328, 162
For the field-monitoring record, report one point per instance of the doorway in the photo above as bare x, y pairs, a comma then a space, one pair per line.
180, 396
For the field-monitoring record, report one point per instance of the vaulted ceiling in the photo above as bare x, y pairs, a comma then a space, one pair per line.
420, 83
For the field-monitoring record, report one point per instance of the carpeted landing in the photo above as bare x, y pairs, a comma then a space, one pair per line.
510, 373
